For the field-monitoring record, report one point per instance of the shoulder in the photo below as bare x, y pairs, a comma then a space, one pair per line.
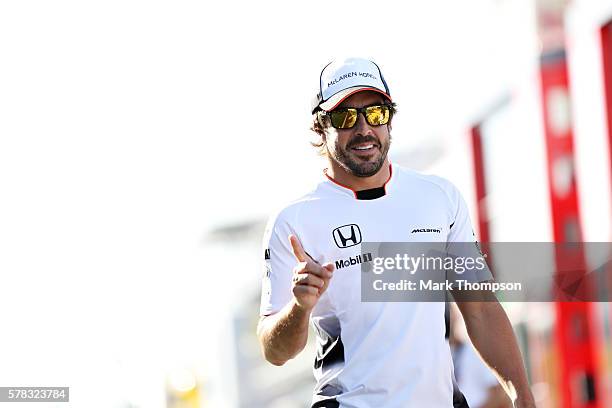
428, 183
287, 215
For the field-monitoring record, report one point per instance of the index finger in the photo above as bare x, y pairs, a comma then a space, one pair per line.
298, 251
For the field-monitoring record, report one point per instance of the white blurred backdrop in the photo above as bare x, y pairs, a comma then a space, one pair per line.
129, 130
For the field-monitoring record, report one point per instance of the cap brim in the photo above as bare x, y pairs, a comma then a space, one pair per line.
337, 99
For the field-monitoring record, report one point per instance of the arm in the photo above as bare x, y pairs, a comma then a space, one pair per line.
492, 335
284, 334
497, 398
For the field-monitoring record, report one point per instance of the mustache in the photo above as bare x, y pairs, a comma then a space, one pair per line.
362, 139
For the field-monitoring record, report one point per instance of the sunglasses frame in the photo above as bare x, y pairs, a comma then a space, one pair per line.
362, 111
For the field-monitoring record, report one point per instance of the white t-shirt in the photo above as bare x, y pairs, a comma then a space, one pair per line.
369, 354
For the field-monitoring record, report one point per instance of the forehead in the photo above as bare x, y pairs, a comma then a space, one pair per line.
360, 99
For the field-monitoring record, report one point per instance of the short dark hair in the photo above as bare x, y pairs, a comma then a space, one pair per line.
319, 128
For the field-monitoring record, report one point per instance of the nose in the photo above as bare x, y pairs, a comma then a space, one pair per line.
362, 127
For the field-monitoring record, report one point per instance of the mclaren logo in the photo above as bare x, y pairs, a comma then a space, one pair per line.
347, 235
414, 231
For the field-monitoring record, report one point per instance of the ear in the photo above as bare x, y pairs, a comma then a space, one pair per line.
320, 120
322, 127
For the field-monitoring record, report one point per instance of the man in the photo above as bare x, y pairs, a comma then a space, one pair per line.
370, 354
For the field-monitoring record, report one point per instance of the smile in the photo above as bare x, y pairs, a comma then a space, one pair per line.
364, 147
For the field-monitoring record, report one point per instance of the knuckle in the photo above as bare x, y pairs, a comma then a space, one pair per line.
315, 271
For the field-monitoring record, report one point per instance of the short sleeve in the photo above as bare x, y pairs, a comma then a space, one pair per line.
462, 243
461, 227
278, 263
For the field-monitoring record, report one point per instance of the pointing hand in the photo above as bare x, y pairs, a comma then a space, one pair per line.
310, 279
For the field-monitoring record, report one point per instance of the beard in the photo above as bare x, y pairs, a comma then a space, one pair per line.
360, 166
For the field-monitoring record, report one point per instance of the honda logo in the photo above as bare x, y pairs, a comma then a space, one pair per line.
347, 235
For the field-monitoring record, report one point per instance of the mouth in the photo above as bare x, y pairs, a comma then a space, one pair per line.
364, 149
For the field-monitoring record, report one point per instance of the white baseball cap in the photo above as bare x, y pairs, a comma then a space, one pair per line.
340, 79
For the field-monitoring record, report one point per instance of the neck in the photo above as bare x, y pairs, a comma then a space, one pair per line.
340, 175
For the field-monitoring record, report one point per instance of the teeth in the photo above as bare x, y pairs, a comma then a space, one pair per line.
366, 147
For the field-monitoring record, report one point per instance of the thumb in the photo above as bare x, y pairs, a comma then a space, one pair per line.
298, 250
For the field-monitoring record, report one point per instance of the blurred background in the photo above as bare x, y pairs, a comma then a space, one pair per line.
143, 144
